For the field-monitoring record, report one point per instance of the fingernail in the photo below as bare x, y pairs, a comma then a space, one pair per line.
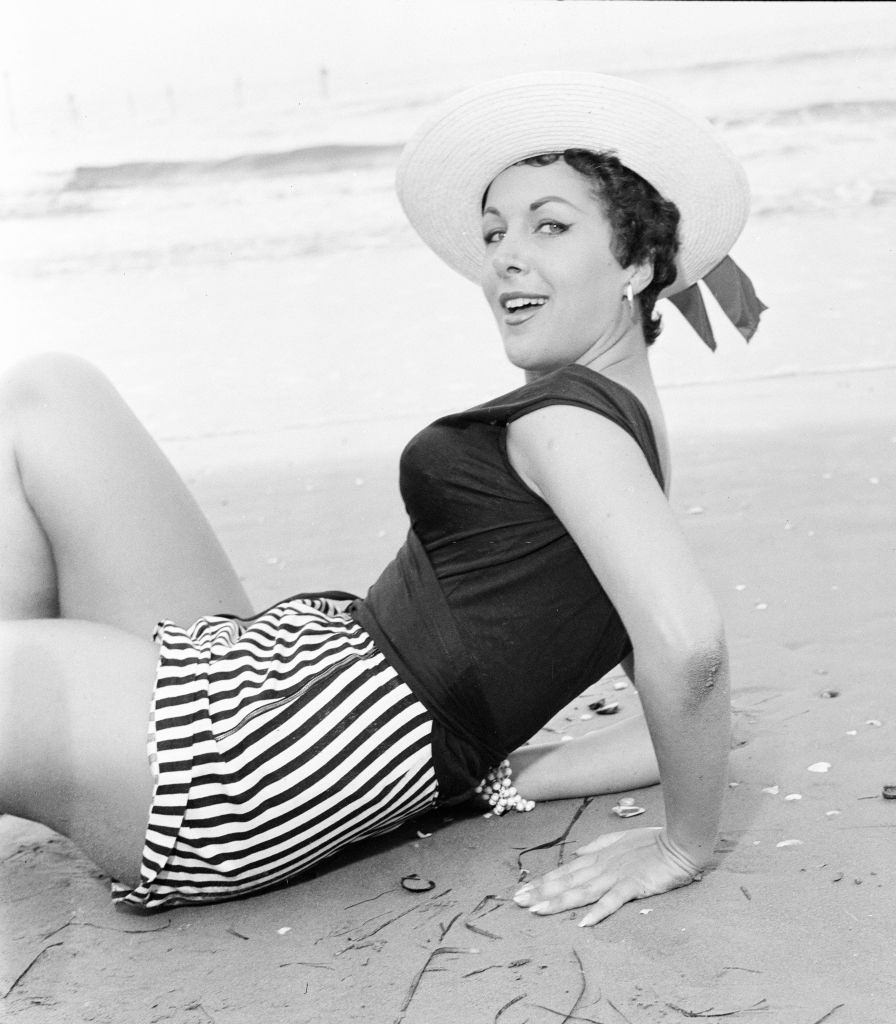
539, 908
522, 899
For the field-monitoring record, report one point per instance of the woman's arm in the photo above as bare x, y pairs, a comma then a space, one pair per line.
597, 481
611, 759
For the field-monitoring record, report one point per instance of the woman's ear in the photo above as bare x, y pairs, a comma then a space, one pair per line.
642, 277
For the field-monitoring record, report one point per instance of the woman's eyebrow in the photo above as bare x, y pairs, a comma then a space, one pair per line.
551, 199
535, 205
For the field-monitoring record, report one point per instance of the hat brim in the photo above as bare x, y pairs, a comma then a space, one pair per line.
448, 164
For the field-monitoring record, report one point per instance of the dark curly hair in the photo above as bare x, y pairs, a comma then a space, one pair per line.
644, 225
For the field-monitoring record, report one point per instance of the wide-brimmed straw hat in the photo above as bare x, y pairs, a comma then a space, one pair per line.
450, 161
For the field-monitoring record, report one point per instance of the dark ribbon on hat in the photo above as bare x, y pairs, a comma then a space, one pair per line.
733, 291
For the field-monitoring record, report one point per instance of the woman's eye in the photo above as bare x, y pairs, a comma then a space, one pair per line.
544, 227
551, 227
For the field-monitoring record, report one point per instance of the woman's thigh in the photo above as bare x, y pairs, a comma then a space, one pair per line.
94, 513
74, 711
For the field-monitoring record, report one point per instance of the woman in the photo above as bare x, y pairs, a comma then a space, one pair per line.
541, 554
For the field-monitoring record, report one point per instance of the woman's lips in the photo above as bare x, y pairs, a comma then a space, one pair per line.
518, 313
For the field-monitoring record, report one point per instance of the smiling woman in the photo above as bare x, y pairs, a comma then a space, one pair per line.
550, 270
643, 225
542, 554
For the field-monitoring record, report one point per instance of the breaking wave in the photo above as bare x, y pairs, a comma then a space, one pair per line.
323, 159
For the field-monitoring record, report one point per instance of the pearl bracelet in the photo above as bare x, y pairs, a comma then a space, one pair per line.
499, 792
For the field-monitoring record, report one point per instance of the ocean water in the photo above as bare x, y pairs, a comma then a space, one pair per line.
816, 131
235, 231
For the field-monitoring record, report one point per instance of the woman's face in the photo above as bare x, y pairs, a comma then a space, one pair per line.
553, 284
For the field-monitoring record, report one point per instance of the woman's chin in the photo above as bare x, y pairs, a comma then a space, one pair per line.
522, 356
533, 365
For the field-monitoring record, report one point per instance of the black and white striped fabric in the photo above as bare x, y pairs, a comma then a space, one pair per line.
275, 742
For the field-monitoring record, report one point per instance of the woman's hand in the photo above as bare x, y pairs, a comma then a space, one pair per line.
613, 870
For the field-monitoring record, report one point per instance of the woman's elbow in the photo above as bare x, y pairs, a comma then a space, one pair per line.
697, 659
706, 671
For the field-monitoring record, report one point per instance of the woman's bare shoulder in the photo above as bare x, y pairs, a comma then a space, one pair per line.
598, 483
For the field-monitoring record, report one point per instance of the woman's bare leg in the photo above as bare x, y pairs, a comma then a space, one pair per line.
74, 703
609, 760
95, 524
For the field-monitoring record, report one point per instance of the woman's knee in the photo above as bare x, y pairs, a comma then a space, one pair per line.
55, 409
42, 383
22, 748
74, 701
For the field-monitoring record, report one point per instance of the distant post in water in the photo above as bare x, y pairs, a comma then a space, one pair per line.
323, 77
73, 111
10, 106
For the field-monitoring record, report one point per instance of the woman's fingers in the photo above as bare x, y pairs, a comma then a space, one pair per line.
559, 890
613, 870
574, 875
575, 888
584, 881
610, 902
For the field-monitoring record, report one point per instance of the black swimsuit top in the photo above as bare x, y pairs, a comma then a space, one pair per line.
489, 612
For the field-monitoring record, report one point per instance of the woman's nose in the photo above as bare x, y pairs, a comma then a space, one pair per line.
508, 259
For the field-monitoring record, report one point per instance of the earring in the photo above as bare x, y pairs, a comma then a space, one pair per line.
629, 297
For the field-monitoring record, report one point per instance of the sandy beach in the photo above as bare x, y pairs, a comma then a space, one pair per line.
786, 488
793, 526
283, 384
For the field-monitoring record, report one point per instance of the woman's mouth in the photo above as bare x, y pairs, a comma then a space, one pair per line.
519, 307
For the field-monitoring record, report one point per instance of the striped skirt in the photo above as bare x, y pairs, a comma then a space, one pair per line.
274, 742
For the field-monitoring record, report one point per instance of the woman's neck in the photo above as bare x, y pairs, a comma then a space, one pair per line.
623, 360
626, 363
630, 367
